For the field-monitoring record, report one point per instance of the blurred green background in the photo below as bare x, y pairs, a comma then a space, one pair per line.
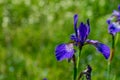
30, 30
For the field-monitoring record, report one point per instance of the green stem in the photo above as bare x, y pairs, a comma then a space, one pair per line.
113, 41
78, 62
108, 76
111, 56
75, 72
75, 68
112, 49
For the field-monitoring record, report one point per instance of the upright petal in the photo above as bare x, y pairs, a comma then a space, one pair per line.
75, 24
88, 27
82, 32
64, 51
88, 22
104, 49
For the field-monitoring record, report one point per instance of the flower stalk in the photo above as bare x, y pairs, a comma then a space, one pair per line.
78, 61
75, 67
113, 48
111, 56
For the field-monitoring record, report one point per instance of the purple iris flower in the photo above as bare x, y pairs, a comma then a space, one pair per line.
79, 38
114, 22
45, 79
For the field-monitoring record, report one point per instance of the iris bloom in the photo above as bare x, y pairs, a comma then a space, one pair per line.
114, 22
45, 79
79, 38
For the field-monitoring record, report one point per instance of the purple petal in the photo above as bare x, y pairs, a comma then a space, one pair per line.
115, 13
119, 7
83, 32
91, 41
75, 24
104, 49
88, 27
109, 21
45, 79
114, 28
64, 51
73, 37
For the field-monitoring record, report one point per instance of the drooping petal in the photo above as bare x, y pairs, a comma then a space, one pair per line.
102, 48
82, 32
75, 24
64, 51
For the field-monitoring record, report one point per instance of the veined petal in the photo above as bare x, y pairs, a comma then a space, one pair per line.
75, 24
64, 51
102, 48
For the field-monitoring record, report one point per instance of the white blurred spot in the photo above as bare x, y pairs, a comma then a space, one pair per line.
5, 21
